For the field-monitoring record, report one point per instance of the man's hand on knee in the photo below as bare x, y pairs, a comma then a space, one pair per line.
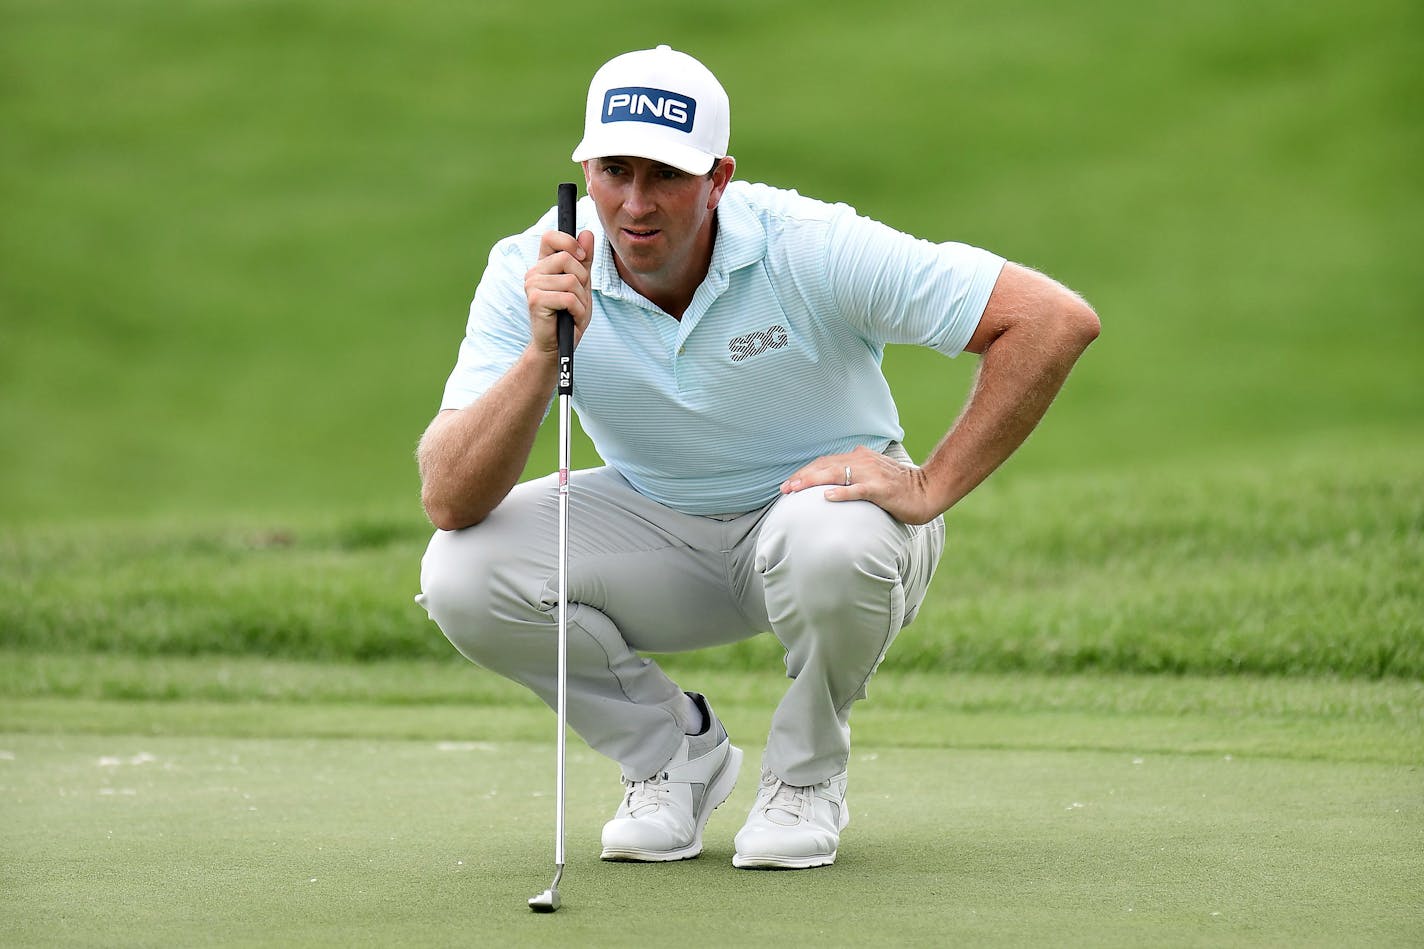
901, 490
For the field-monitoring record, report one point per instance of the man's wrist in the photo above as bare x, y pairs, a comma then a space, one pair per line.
537, 365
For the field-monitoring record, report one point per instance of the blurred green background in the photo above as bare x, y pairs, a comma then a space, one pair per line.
238, 242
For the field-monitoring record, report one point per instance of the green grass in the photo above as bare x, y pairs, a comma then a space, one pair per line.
1166, 688
240, 239
1309, 567
234, 281
249, 697
355, 805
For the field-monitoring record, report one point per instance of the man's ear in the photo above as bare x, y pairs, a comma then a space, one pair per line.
722, 174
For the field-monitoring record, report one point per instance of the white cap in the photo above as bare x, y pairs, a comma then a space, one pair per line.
658, 104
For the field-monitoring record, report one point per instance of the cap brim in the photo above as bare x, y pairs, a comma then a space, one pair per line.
683, 157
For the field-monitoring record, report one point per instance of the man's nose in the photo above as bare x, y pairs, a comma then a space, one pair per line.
639, 199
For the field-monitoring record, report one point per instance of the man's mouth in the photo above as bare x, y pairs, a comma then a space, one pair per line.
640, 232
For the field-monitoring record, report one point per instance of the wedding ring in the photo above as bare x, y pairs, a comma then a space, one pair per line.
847, 480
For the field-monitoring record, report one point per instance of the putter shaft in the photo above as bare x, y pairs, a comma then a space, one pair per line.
548, 901
563, 668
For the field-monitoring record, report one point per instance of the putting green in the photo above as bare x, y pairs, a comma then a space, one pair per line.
181, 840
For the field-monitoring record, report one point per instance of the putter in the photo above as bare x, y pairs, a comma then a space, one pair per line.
548, 901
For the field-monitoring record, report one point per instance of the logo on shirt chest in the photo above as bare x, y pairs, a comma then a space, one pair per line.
754, 344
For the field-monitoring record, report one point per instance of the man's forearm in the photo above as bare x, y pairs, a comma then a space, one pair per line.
1021, 373
470, 459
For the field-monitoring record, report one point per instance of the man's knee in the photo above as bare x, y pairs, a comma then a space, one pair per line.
466, 593
826, 554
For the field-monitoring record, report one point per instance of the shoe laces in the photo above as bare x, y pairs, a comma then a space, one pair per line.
789, 799
645, 796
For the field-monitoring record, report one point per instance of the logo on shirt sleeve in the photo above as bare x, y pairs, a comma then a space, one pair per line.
656, 106
754, 344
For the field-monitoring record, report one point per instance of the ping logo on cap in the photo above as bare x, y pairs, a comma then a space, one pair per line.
655, 106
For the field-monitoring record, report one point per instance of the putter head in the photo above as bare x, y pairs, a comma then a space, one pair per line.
545, 902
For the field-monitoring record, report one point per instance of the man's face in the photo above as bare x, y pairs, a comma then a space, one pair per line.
658, 218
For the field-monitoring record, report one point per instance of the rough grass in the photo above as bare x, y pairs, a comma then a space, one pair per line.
234, 281
239, 239
1308, 567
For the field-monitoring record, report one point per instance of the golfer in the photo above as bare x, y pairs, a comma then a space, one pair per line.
729, 340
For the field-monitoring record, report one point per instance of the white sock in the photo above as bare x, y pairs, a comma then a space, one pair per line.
696, 722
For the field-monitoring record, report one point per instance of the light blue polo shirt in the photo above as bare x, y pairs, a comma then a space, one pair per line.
775, 363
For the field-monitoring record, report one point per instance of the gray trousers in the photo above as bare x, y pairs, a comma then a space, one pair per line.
833, 581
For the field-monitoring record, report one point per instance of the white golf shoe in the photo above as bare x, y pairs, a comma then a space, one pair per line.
662, 817
791, 827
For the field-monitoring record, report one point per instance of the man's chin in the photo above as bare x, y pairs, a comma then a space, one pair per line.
639, 258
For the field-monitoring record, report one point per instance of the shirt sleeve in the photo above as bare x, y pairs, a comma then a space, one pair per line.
894, 288
497, 331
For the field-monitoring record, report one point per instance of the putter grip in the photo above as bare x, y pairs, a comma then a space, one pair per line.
568, 196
